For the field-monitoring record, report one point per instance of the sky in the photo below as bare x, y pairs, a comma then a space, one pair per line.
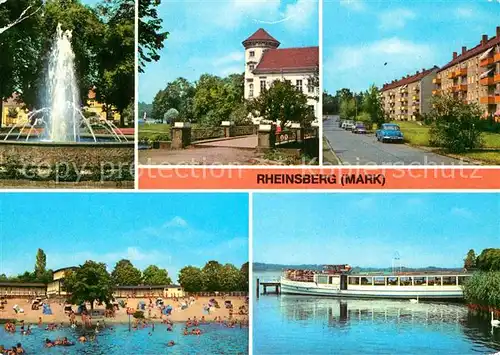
168, 230
369, 230
206, 36
359, 36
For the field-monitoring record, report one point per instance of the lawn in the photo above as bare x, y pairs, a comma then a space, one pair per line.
152, 131
418, 135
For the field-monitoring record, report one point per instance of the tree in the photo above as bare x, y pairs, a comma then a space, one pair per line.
171, 116
191, 279
489, 260
178, 95
19, 46
41, 263
89, 283
150, 38
372, 105
244, 275
456, 124
283, 103
116, 84
125, 274
330, 104
230, 278
212, 276
347, 108
470, 260
153, 275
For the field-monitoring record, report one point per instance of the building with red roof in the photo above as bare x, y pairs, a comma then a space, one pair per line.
407, 98
474, 75
265, 62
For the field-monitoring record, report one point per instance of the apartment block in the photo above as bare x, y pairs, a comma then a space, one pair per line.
474, 75
407, 98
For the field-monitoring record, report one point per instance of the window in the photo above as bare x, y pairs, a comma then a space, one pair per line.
310, 86
322, 279
449, 280
250, 93
353, 280
462, 279
298, 85
434, 281
392, 281
366, 281
262, 85
379, 281
420, 281
251, 67
252, 54
405, 281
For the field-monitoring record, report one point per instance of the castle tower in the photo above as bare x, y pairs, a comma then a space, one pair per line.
255, 46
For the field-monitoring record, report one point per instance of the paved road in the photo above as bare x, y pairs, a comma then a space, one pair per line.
356, 149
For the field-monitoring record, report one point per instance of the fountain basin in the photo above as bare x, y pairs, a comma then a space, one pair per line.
81, 155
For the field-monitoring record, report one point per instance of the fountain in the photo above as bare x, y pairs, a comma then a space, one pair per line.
59, 130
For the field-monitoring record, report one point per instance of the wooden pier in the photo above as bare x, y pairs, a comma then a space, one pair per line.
266, 284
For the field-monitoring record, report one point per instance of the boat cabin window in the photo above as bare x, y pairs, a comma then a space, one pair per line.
322, 279
405, 281
462, 279
392, 281
366, 280
434, 281
419, 281
449, 280
379, 281
353, 280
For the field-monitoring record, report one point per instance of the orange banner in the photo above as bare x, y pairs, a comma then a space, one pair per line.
317, 178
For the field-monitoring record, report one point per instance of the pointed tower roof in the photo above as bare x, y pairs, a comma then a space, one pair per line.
261, 35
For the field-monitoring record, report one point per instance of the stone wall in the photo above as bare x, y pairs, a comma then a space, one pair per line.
79, 154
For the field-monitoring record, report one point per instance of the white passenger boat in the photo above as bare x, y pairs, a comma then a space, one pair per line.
336, 281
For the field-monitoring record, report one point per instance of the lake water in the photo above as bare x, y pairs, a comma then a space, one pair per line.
289, 324
215, 339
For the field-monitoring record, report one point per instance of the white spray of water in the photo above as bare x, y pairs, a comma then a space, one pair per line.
62, 90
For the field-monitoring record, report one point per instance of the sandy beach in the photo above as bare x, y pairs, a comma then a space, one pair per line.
194, 309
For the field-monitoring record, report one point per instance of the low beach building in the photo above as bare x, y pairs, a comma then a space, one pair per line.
409, 97
55, 288
474, 75
167, 291
22, 289
265, 63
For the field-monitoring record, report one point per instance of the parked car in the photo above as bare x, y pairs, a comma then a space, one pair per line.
341, 122
389, 132
359, 128
348, 124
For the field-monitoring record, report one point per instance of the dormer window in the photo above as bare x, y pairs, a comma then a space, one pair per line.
252, 53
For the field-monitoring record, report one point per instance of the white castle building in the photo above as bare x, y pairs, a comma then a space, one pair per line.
264, 63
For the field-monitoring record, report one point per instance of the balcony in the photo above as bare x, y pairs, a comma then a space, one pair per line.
496, 78
490, 99
436, 92
403, 91
496, 58
459, 88
487, 81
415, 97
436, 81
403, 99
461, 72
451, 75
487, 62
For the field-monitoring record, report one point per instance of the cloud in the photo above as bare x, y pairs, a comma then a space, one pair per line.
395, 19
354, 5
464, 12
230, 58
462, 212
300, 16
176, 222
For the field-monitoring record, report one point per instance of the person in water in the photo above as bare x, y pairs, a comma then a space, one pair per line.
171, 343
82, 339
48, 343
19, 349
